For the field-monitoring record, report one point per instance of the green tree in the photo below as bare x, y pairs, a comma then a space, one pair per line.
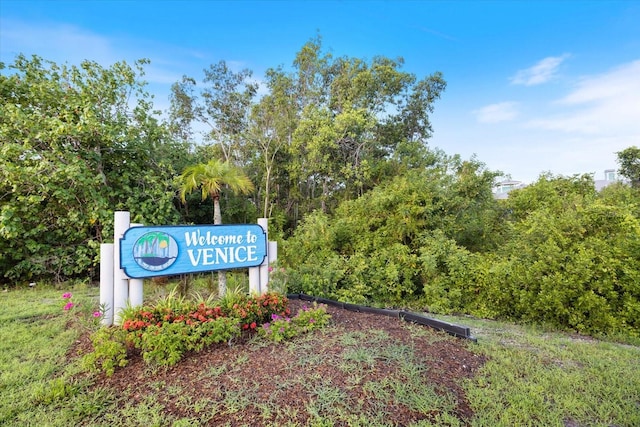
76, 143
629, 161
353, 120
376, 244
329, 129
271, 126
211, 178
223, 105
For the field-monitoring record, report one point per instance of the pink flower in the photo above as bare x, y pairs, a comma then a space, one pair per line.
68, 306
97, 314
67, 295
270, 269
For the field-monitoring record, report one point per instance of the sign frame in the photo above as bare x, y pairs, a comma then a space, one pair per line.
152, 251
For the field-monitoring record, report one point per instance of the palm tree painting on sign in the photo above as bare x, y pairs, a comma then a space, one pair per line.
155, 251
211, 178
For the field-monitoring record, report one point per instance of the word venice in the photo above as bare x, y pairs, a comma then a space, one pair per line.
171, 250
220, 255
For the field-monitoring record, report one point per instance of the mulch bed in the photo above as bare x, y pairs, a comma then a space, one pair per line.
269, 373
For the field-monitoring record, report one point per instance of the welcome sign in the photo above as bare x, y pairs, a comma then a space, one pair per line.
172, 250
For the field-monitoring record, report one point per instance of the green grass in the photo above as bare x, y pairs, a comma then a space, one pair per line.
541, 378
533, 377
36, 383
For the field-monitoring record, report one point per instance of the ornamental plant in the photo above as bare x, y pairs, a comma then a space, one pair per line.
165, 344
164, 332
278, 278
109, 351
82, 312
284, 328
256, 310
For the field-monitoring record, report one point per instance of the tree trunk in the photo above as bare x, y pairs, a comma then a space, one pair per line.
266, 196
217, 219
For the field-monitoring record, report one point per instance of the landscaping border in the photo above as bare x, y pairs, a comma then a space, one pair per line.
450, 328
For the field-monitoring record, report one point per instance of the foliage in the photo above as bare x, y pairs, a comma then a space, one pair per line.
163, 332
282, 328
573, 262
328, 129
166, 343
76, 143
555, 252
212, 177
109, 351
369, 251
278, 278
255, 310
629, 162
82, 311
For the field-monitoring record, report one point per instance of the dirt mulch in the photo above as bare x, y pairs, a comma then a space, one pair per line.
230, 382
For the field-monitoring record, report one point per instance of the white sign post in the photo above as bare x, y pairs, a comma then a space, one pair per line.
106, 283
121, 224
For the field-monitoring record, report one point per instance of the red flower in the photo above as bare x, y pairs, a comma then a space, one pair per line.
253, 325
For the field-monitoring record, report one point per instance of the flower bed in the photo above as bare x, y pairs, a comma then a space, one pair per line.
164, 332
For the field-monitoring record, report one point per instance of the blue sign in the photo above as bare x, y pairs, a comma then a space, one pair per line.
172, 250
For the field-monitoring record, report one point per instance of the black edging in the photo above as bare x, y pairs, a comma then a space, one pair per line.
450, 328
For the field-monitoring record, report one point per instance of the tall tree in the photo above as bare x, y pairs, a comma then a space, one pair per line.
629, 161
223, 105
360, 113
211, 178
76, 143
326, 130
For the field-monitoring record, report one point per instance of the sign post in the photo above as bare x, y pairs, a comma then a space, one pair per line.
120, 280
106, 282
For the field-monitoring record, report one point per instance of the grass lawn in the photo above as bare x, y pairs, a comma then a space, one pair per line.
532, 376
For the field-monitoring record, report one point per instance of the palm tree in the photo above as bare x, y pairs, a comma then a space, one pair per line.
211, 177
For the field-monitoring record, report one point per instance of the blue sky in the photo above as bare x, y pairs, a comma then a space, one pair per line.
532, 86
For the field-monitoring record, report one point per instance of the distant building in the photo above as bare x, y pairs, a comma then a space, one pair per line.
502, 188
610, 176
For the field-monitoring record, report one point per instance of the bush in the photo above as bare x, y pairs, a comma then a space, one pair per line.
164, 332
165, 344
109, 351
283, 328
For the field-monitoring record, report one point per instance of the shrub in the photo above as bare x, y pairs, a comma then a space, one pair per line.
254, 311
283, 328
109, 351
165, 344
165, 331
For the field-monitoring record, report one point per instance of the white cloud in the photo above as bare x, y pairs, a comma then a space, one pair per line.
622, 81
64, 43
605, 104
496, 113
540, 73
